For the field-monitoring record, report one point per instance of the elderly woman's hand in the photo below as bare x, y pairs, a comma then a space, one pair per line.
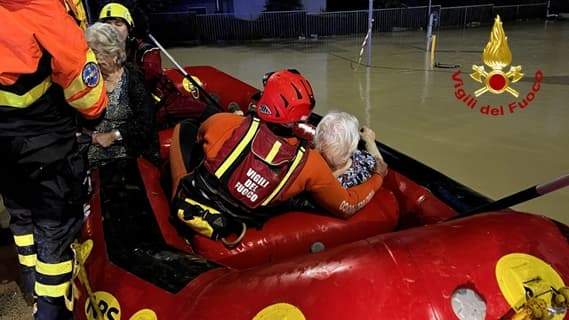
104, 139
367, 134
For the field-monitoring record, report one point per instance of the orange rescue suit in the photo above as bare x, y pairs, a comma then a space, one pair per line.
39, 36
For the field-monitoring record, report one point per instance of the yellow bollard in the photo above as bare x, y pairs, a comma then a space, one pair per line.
433, 45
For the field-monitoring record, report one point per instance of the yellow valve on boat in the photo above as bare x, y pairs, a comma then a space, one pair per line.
530, 285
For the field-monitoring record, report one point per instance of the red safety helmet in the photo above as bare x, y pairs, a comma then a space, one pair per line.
287, 98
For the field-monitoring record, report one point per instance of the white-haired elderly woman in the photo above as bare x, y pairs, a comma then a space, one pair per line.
127, 127
337, 137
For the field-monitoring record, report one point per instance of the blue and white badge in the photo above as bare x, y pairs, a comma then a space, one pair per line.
265, 109
91, 75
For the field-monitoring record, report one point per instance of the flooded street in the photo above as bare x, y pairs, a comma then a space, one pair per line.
414, 109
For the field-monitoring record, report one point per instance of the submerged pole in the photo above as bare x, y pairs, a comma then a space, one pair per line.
429, 27
369, 29
368, 97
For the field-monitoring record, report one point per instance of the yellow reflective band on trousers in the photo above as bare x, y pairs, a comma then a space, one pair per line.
239, 149
54, 291
291, 169
24, 240
28, 261
25, 100
54, 269
78, 94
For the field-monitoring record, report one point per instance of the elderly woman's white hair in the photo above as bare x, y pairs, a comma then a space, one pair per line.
337, 137
103, 38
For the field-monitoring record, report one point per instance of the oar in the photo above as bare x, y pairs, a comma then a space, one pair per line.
522, 196
186, 75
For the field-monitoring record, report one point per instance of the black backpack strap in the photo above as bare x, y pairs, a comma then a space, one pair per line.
192, 152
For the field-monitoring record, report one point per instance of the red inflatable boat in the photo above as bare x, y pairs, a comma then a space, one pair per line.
409, 254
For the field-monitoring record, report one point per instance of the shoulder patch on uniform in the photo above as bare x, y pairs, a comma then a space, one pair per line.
91, 75
264, 109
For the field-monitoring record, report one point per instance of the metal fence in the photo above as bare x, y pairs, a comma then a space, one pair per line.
471, 16
286, 24
522, 11
356, 22
183, 26
461, 17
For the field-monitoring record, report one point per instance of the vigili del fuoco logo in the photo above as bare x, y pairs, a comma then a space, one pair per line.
497, 56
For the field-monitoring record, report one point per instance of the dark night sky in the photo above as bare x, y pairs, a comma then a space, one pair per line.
338, 5
333, 5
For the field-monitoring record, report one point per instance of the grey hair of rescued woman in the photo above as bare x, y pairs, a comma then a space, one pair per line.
103, 38
337, 136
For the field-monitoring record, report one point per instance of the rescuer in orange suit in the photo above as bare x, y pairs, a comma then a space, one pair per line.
47, 77
252, 164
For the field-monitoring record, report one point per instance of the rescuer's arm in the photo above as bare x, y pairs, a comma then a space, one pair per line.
74, 66
329, 194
